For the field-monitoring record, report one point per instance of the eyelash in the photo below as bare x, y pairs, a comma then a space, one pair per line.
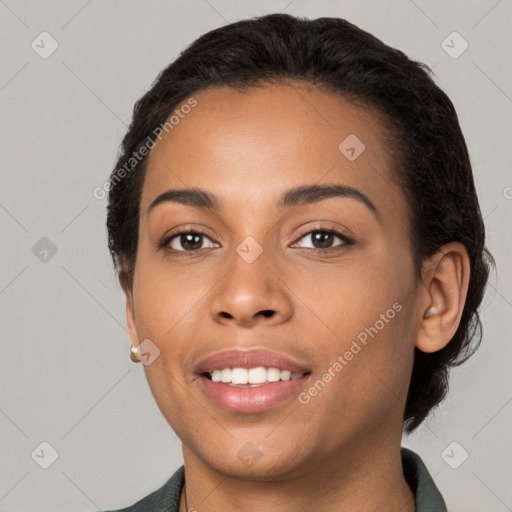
315, 229
324, 229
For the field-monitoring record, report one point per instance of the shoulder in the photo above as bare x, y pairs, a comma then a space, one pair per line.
428, 497
164, 499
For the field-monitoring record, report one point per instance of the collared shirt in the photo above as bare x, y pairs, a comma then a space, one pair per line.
428, 497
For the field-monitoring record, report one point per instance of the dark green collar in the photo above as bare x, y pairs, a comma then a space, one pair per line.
428, 497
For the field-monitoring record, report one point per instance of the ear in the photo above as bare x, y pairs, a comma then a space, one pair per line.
131, 321
443, 297
127, 285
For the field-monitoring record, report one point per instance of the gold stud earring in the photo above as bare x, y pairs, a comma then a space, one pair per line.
134, 354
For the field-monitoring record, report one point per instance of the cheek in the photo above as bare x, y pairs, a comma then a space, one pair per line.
365, 313
166, 309
349, 298
165, 300
366, 375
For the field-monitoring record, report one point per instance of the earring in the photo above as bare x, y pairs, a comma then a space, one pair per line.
134, 354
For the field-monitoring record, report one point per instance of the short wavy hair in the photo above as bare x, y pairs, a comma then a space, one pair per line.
431, 161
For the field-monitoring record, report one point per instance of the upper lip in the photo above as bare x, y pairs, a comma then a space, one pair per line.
249, 359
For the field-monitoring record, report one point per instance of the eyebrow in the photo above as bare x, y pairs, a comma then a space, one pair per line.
304, 194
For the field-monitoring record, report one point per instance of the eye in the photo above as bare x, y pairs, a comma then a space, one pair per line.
322, 238
190, 240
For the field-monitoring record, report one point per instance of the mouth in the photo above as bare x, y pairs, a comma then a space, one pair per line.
250, 381
250, 398
252, 377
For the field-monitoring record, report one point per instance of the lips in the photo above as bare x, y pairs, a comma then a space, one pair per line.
249, 359
250, 399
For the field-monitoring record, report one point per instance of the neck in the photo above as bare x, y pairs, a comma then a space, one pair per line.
362, 480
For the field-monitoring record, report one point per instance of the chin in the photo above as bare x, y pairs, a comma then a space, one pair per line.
258, 461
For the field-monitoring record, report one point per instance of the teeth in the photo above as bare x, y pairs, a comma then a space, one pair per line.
252, 376
257, 375
239, 376
273, 374
286, 375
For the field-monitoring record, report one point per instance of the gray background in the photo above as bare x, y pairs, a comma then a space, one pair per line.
65, 373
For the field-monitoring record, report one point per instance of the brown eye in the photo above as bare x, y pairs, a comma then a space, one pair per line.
186, 241
322, 239
191, 241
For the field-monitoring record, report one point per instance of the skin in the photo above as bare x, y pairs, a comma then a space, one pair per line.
341, 451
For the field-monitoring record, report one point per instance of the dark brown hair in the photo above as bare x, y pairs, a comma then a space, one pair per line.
431, 158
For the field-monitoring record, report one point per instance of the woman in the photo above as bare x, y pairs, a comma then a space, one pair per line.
296, 229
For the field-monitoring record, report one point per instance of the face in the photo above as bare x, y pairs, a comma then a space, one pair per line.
320, 285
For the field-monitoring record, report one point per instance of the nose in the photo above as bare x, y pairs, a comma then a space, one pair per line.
251, 294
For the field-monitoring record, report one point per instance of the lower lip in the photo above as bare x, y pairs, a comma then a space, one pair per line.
248, 399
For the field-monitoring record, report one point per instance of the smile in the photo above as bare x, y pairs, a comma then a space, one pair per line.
238, 394
251, 376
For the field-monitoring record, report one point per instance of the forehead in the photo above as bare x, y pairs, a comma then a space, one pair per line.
246, 147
